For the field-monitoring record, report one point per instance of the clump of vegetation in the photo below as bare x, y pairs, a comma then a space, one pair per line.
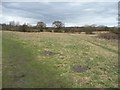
24, 28
114, 30
88, 29
108, 36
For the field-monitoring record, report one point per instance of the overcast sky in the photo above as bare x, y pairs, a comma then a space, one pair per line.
70, 13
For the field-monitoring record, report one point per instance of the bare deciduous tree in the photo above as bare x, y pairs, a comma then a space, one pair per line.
58, 25
41, 26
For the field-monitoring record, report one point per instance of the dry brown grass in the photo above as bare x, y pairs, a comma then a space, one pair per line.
107, 36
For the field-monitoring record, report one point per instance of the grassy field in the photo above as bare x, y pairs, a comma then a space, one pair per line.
58, 60
0, 60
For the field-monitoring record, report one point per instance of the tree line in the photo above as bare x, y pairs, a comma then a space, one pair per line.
57, 26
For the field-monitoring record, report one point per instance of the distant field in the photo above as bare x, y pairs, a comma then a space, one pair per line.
58, 60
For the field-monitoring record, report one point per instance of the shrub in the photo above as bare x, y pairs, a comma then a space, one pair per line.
88, 29
114, 30
108, 36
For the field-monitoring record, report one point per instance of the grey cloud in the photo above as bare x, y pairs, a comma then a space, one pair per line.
77, 13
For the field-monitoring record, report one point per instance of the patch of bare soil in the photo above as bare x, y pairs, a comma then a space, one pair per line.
79, 68
49, 53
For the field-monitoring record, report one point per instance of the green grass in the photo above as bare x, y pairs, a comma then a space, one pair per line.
0, 60
46, 60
